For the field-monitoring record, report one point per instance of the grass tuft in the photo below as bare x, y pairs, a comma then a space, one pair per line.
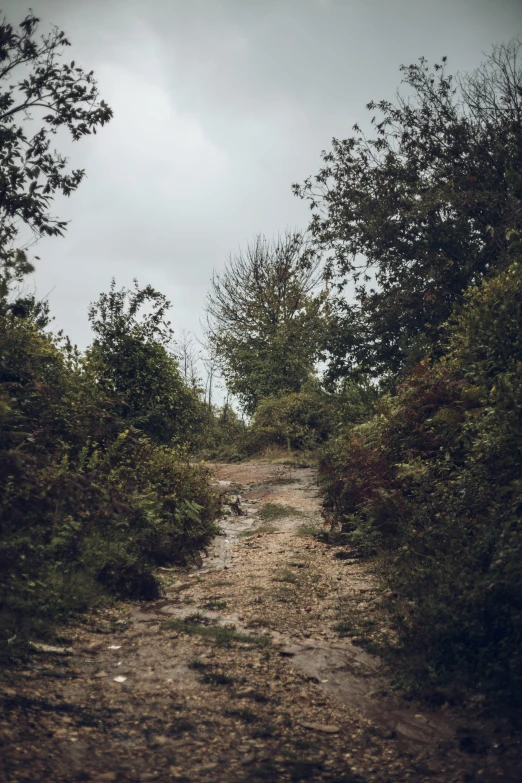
272, 511
222, 636
214, 604
308, 529
286, 576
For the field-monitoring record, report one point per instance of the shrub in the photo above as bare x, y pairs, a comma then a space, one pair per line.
355, 400
88, 505
223, 435
131, 361
302, 420
434, 480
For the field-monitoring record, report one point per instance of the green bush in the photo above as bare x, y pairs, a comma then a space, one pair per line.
434, 480
88, 504
302, 420
223, 435
131, 361
355, 400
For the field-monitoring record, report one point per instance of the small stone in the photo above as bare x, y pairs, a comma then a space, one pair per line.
324, 727
101, 674
49, 648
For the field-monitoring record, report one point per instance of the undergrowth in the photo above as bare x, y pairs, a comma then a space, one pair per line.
89, 504
432, 485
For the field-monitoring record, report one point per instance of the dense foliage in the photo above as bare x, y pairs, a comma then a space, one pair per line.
419, 212
224, 436
435, 479
88, 503
302, 420
131, 359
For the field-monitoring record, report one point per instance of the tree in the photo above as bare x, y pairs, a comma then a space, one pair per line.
36, 85
211, 366
264, 318
131, 360
188, 357
416, 214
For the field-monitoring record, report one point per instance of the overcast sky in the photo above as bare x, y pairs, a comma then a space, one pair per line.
218, 107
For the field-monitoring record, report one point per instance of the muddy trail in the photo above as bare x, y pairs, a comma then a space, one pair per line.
237, 673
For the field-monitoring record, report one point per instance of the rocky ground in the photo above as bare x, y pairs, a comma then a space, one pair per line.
239, 673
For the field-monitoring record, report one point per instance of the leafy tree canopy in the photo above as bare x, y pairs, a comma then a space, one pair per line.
37, 85
131, 359
415, 214
265, 318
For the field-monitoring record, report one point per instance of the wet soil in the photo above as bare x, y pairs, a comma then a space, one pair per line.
237, 674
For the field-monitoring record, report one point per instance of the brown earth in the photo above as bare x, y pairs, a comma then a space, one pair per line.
238, 674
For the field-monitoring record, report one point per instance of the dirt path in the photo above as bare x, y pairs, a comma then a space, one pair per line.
235, 675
